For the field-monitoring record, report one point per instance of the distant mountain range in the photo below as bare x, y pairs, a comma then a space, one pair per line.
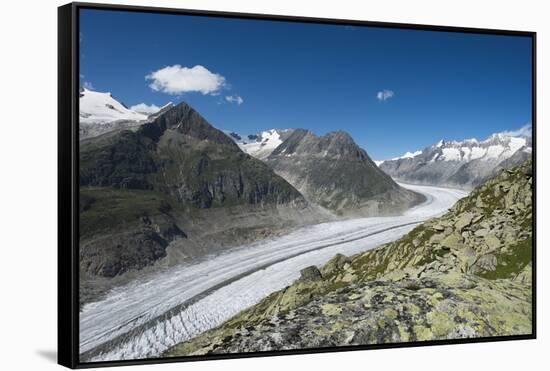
330, 171
171, 179
463, 164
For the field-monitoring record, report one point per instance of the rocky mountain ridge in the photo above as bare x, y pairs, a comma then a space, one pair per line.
182, 155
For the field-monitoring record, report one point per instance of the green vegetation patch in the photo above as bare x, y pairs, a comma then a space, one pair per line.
106, 208
510, 264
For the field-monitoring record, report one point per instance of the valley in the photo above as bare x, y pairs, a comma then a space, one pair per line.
171, 189
145, 318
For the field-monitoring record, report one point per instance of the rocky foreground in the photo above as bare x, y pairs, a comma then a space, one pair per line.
465, 274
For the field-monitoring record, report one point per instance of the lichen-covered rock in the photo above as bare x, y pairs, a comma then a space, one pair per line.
464, 221
442, 306
310, 273
335, 264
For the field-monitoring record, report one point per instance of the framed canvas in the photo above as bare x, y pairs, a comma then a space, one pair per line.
236, 185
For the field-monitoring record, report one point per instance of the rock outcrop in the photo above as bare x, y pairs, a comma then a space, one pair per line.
463, 275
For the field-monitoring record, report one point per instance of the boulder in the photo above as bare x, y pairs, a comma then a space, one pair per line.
310, 274
335, 264
492, 241
452, 241
481, 232
464, 221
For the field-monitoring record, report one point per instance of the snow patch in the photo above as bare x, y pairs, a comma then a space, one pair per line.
516, 143
263, 145
494, 152
477, 152
451, 154
97, 107
466, 152
408, 155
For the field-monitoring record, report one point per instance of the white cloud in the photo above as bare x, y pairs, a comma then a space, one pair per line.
384, 95
177, 80
234, 99
144, 108
87, 85
524, 131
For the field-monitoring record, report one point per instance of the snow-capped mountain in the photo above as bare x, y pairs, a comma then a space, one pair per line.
407, 155
460, 163
100, 112
98, 107
262, 144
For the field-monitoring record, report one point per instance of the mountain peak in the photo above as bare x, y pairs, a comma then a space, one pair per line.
334, 144
340, 135
333, 171
183, 118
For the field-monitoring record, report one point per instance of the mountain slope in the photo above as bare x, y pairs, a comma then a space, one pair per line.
334, 172
466, 274
161, 111
463, 164
175, 181
183, 156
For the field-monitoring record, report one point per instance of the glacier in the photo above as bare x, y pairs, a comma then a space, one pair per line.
144, 318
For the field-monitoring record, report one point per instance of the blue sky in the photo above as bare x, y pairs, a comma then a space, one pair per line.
393, 90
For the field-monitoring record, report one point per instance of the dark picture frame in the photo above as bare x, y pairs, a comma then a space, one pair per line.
68, 179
